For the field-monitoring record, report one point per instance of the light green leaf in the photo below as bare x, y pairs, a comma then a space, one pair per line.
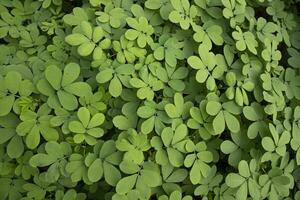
86, 49
213, 108
111, 174
84, 116
54, 76
76, 39
67, 100
219, 123
126, 184
33, 138
234, 180
15, 147
244, 169
228, 147
176, 158
172, 111
104, 76
6, 103
148, 125
41, 160
95, 171
96, 120
79, 89
268, 144
232, 123
71, 73
115, 87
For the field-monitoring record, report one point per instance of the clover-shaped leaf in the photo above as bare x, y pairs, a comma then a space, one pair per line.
244, 181
224, 114
198, 160
168, 49
102, 163
245, 40
207, 70
90, 40
86, 128
113, 15
117, 75
140, 178
141, 31
183, 8
237, 149
175, 195
237, 90
61, 88
35, 124
54, 158
276, 143
255, 113
165, 7
11, 86
133, 144
127, 51
208, 34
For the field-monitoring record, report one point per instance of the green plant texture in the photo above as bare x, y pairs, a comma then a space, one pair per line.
149, 100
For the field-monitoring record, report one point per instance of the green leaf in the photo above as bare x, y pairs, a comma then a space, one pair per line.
145, 111
33, 138
67, 100
12, 81
15, 147
131, 34
268, 144
76, 39
126, 184
111, 174
84, 116
115, 87
54, 76
232, 123
98, 34
137, 83
79, 89
213, 108
104, 76
175, 157
219, 123
234, 180
150, 178
76, 127
96, 120
242, 192
251, 114
6, 103
6, 134
244, 169
195, 173
95, 171
86, 48
148, 125
41, 160
215, 33
87, 29
71, 73
122, 122
228, 147
202, 75
172, 111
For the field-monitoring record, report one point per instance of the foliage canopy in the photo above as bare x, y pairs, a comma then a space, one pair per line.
149, 99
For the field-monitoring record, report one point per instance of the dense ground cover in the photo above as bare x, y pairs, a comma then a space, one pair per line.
155, 99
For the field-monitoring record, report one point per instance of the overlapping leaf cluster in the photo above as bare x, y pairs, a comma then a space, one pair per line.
149, 99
